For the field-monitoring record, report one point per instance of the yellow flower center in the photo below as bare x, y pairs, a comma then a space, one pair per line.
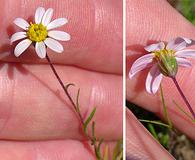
166, 61
37, 32
163, 52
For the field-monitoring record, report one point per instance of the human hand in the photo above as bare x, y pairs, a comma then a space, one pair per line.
148, 22
34, 107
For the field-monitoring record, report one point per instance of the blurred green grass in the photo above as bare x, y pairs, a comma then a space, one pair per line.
186, 8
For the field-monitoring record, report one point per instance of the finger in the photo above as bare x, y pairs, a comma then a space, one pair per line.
50, 150
34, 106
95, 29
151, 25
139, 143
159, 26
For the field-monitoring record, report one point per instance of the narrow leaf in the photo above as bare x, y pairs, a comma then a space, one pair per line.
165, 107
117, 149
77, 101
155, 122
106, 152
93, 134
98, 149
88, 120
99, 145
120, 156
68, 85
153, 131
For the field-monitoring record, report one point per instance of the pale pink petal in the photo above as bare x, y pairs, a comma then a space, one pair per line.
141, 63
54, 45
57, 23
190, 53
17, 36
59, 35
188, 41
183, 62
21, 47
47, 17
39, 15
20, 22
153, 80
178, 43
155, 47
40, 49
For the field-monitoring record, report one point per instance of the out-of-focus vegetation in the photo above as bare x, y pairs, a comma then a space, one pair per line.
159, 132
186, 8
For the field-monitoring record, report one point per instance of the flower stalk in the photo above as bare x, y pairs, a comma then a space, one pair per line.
41, 35
93, 139
183, 96
64, 88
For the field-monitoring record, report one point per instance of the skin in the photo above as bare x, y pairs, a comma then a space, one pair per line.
162, 23
34, 108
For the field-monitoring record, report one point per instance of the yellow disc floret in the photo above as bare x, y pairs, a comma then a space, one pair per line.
167, 62
163, 52
37, 32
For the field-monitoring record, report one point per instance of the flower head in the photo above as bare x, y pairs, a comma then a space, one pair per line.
164, 59
40, 33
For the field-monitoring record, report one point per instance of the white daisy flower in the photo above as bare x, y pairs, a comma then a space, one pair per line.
40, 33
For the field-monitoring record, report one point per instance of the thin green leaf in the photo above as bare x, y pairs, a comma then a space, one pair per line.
77, 101
106, 153
117, 149
88, 120
165, 107
120, 156
98, 152
93, 130
155, 122
153, 131
182, 110
99, 145
68, 85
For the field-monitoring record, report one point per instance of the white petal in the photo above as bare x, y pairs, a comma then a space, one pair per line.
21, 47
190, 53
57, 23
20, 22
54, 45
141, 63
187, 40
59, 35
39, 14
17, 36
178, 43
155, 47
40, 49
153, 80
183, 62
47, 17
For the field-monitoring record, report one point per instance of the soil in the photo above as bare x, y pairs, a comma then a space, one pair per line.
181, 147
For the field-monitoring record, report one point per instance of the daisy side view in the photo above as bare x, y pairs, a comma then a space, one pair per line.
164, 58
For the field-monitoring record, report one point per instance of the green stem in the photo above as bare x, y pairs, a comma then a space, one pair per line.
165, 108
155, 122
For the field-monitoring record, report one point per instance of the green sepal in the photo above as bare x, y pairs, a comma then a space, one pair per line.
168, 65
